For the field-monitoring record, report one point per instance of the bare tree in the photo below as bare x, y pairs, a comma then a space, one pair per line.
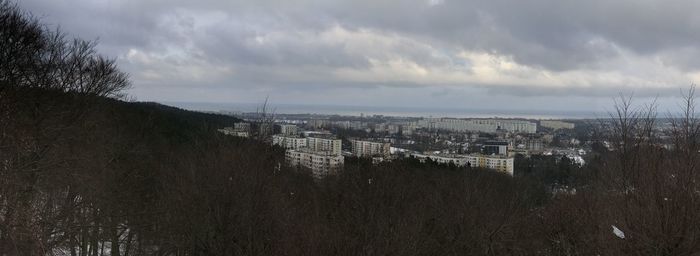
264, 121
40, 73
685, 131
34, 56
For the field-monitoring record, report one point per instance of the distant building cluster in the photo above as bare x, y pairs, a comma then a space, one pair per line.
241, 129
477, 125
310, 140
321, 155
556, 125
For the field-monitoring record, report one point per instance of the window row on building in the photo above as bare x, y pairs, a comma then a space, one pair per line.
312, 143
320, 163
361, 148
477, 125
499, 163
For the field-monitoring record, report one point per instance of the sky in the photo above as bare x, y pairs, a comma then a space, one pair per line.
564, 55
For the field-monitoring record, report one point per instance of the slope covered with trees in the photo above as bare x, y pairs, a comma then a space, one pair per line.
83, 172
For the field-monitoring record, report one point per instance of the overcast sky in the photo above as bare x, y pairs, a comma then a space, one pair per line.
495, 54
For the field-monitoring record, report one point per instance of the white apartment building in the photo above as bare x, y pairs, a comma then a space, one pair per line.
234, 132
318, 123
241, 126
312, 143
321, 155
362, 148
555, 124
320, 163
324, 144
477, 125
288, 129
503, 164
289, 142
498, 163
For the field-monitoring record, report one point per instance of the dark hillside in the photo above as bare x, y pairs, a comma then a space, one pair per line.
177, 125
83, 173
159, 180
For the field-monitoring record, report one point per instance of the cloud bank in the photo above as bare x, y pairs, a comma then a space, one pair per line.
469, 54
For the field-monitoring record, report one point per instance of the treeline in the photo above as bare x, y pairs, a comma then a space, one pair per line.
83, 172
142, 179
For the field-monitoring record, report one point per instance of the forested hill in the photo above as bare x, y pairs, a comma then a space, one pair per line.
82, 173
173, 123
80, 169
158, 120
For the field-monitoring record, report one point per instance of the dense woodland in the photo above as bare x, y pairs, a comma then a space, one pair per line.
84, 172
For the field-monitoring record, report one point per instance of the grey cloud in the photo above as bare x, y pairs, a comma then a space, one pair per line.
590, 37
534, 91
548, 33
551, 33
238, 44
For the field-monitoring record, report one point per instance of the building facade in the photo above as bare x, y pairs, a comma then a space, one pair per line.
241, 126
324, 144
232, 131
495, 148
499, 163
289, 142
477, 125
362, 148
321, 155
555, 124
320, 163
288, 129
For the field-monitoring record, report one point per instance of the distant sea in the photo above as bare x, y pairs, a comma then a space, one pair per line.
388, 111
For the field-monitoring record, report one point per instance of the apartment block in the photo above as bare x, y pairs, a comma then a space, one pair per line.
320, 163
495, 162
288, 129
289, 142
324, 144
555, 124
477, 125
232, 131
495, 148
362, 148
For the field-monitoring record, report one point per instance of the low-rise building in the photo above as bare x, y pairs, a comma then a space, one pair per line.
495, 148
498, 163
